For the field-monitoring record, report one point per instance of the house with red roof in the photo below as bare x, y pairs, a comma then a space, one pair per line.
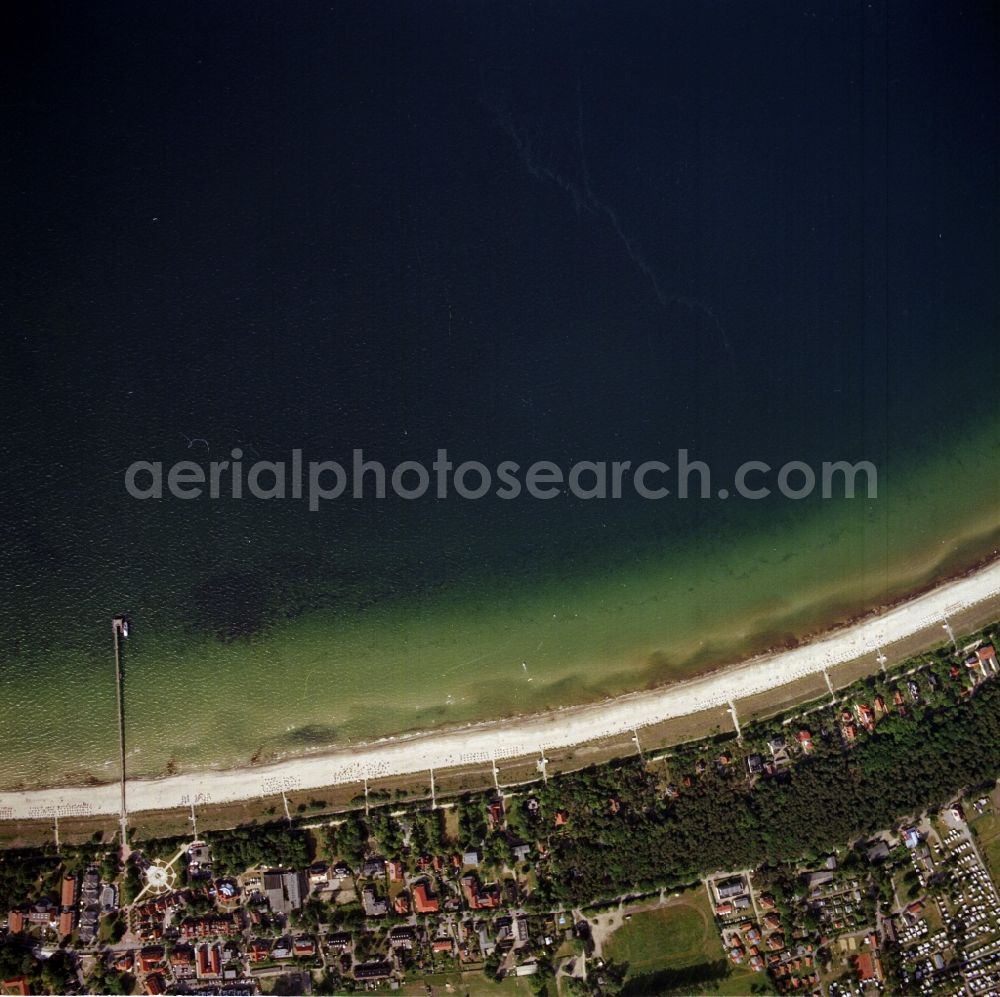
68, 891
424, 903
479, 897
868, 967
151, 958
304, 947
182, 956
988, 659
209, 960
259, 951
155, 984
866, 716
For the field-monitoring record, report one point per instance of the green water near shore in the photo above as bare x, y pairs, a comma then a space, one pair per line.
609, 619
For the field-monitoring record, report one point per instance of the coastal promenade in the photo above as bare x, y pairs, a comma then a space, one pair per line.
525, 736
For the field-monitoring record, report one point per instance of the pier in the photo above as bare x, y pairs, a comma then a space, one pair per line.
118, 629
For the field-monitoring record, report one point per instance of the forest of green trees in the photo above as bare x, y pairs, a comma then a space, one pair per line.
259, 845
823, 801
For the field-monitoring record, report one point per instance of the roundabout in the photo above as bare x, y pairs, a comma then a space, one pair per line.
159, 878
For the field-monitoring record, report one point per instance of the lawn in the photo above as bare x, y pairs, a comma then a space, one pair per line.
451, 825
676, 945
668, 938
906, 890
475, 984
987, 831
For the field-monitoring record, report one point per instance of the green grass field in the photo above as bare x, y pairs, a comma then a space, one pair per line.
672, 937
662, 945
987, 831
475, 984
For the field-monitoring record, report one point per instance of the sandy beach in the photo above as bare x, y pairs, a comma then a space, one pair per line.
522, 737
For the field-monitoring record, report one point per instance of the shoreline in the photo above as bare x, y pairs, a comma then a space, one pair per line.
527, 736
848, 619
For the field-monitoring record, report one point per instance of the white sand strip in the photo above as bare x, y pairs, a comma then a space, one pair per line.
528, 736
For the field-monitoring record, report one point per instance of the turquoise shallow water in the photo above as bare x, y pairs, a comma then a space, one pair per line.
331, 665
